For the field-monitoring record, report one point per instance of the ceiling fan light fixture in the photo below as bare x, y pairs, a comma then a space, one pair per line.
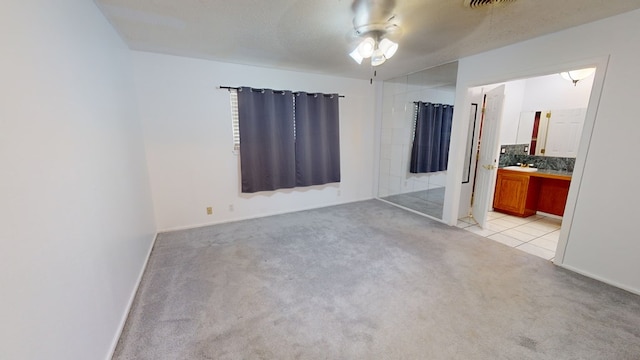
378, 58
355, 55
366, 47
374, 43
388, 47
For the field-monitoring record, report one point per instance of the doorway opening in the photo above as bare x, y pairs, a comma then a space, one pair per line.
524, 160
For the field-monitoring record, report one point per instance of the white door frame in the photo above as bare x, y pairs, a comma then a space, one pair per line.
454, 180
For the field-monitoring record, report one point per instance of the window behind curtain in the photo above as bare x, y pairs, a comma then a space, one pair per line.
235, 124
287, 140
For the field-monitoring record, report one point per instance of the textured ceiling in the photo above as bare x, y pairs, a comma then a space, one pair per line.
316, 36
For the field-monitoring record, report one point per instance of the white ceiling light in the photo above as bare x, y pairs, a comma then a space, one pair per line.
577, 75
378, 58
375, 43
378, 51
355, 54
366, 47
388, 47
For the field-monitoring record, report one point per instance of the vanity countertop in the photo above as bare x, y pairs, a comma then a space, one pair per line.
545, 173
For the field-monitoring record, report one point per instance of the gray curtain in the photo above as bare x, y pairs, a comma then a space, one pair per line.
283, 148
317, 139
267, 145
430, 151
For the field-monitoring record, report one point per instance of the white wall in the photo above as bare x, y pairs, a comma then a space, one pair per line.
552, 92
602, 241
397, 133
187, 129
77, 221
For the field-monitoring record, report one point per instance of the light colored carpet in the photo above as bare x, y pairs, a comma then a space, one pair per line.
367, 280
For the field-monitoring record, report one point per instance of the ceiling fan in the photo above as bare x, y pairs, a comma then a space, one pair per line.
373, 25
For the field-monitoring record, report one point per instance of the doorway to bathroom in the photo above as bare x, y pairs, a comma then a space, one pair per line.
534, 123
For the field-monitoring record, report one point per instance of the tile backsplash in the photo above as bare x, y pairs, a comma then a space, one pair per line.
515, 154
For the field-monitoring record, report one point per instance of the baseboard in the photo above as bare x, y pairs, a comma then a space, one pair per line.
123, 321
225, 221
601, 279
413, 211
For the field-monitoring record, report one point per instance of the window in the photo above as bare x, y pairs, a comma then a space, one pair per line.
286, 139
233, 96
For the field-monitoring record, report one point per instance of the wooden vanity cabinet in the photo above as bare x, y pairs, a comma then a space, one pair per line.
516, 193
553, 195
523, 193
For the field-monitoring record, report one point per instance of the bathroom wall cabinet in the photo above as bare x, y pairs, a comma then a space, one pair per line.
523, 194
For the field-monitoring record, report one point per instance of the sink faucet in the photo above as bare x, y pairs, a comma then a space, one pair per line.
523, 165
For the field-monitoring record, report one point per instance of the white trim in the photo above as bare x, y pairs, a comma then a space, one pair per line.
599, 278
123, 320
601, 64
195, 226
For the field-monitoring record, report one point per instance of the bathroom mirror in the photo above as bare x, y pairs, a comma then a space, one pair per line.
422, 192
551, 132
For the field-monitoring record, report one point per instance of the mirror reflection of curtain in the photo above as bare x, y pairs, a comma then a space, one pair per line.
430, 151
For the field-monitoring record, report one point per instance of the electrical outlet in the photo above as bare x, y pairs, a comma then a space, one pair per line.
230, 207
209, 210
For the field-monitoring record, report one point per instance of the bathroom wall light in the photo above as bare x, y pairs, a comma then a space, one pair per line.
577, 75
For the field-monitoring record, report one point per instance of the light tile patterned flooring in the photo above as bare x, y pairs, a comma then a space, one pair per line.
536, 234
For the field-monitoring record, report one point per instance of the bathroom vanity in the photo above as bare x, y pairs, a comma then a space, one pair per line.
522, 192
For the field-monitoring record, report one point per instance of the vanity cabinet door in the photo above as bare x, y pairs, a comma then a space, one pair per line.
516, 193
553, 196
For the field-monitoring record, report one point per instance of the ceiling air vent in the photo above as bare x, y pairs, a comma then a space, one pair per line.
480, 3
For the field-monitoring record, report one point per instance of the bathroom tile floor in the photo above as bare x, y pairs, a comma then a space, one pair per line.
536, 234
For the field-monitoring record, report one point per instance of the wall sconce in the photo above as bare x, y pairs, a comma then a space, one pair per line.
577, 75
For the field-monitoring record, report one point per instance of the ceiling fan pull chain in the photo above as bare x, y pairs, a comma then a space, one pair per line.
375, 73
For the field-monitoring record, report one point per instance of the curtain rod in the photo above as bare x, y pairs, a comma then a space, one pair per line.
294, 92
